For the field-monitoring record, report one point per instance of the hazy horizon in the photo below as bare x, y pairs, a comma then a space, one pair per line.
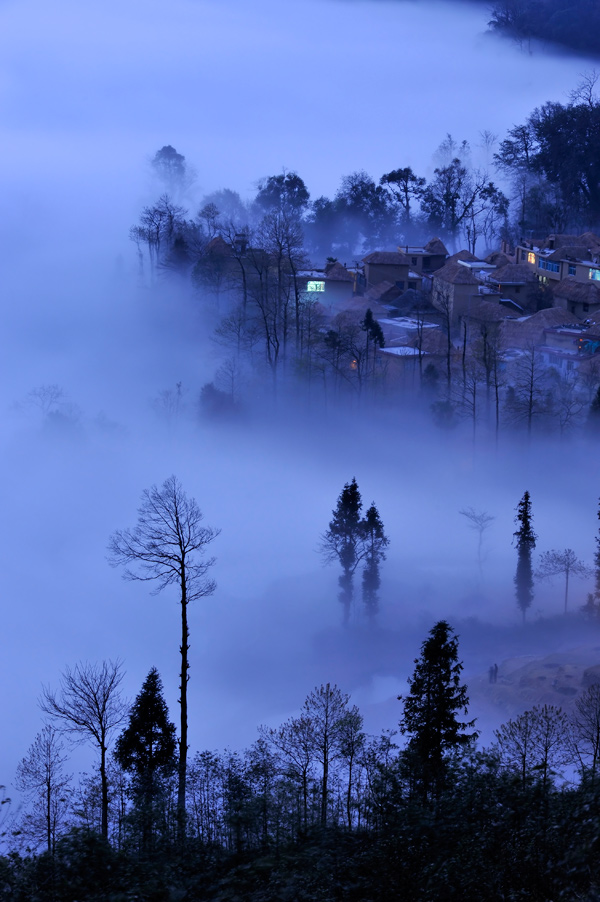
88, 97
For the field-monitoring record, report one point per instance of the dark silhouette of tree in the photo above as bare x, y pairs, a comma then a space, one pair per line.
431, 709
375, 541
405, 187
42, 779
172, 169
559, 563
330, 718
585, 731
535, 743
374, 336
88, 707
146, 750
285, 193
480, 521
459, 198
167, 547
525, 541
343, 541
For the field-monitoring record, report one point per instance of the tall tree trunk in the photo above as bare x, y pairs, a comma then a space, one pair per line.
183, 741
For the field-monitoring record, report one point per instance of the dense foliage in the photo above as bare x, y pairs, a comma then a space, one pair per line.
575, 24
318, 810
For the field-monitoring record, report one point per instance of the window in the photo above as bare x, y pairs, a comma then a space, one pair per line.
412, 285
572, 269
315, 286
531, 257
595, 275
586, 308
413, 261
548, 266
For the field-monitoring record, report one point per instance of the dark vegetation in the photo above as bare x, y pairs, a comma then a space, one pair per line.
575, 25
318, 810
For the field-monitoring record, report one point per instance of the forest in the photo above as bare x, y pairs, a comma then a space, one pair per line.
574, 25
317, 808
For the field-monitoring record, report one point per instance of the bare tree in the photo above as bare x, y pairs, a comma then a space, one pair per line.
585, 723
535, 742
294, 743
167, 547
479, 521
41, 777
526, 398
556, 563
88, 706
327, 710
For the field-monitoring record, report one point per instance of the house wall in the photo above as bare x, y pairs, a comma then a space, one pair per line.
386, 272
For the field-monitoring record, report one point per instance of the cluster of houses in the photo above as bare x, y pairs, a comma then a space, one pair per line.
542, 294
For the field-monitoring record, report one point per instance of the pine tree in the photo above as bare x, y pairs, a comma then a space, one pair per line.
526, 540
376, 542
430, 709
343, 541
146, 750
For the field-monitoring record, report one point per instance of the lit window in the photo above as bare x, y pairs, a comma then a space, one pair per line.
595, 275
315, 286
531, 257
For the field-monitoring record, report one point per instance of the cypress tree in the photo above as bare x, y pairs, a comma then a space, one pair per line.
525, 540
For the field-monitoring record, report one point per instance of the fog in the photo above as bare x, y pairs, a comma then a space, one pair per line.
324, 88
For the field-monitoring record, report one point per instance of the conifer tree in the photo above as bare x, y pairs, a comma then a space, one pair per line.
376, 542
146, 750
525, 540
343, 541
431, 709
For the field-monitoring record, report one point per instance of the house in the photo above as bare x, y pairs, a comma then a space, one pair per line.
580, 298
513, 281
388, 266
564, 347
560, 257
427, 258
456, 288
331, 286
530, 331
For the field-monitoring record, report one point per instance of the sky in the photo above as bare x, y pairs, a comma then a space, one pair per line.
87, 95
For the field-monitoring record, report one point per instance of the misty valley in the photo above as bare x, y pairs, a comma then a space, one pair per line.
301, 407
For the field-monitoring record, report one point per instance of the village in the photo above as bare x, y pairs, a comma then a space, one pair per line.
543, 295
